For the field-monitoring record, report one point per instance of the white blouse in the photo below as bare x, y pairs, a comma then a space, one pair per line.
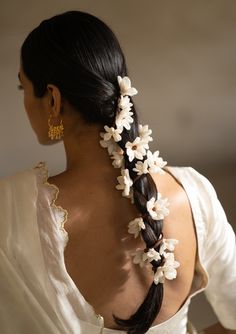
38, 295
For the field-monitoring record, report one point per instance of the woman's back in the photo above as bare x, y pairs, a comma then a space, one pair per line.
75, 90
98, 254
48, 301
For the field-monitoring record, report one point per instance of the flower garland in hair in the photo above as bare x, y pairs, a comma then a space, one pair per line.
156, 207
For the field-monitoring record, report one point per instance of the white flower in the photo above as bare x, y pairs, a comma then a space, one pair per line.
109, 144
167, 270
144, 134
112, 133
125, 86
155, 162
168, 244
141, 167
118, 158
140, 258
145, 258
124, 119
159, 276
170, 261
158, 208
125, 182
135, 149
135, 226
151, 255
124, 102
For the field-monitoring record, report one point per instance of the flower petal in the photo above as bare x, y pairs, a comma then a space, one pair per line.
125, 86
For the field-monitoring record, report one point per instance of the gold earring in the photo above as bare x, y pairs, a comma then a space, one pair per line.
55, 132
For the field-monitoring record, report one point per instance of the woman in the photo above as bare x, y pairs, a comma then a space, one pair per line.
97, 248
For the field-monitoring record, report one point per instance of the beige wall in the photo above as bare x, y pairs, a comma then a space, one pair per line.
181, 57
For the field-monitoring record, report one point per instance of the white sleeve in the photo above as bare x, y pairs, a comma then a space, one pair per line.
220, 260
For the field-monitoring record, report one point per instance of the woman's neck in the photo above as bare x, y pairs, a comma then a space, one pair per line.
84, 154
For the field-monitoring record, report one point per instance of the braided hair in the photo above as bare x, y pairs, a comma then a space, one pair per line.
80, 54
144, 188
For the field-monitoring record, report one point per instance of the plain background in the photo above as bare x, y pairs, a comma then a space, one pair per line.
181, 57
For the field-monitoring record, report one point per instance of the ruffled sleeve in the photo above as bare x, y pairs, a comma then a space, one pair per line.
220, 261
27, 297
216, 241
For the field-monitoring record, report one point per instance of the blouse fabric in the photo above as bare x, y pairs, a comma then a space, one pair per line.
38, 295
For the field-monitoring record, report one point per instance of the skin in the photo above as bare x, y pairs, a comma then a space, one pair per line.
89, 171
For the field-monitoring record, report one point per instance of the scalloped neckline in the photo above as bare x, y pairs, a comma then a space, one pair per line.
43, 173
43, 168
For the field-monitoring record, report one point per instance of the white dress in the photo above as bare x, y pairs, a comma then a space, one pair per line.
38, 295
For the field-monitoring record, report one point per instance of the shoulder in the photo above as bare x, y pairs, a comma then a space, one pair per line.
200, 191
190, 176
177, 183
179, 220
187, 184
17, 175
209, 215
189, 190
18, 193
19, 181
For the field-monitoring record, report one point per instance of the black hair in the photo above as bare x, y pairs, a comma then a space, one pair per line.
80, 54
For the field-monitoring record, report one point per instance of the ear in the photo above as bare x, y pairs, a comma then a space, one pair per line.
54, 100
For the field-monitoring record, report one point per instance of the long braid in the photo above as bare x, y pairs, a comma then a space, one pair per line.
144, 188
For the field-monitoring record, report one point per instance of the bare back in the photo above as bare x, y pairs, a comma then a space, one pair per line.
97, 256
